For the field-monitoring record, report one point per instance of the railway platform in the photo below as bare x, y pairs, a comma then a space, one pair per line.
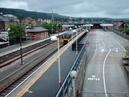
16, 46
27, 83
12, 48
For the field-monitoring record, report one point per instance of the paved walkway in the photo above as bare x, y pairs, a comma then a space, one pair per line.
12, 47
16, 46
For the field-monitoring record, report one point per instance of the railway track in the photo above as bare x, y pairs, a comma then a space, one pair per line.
14, 78
14, 82
12, 54
24, 54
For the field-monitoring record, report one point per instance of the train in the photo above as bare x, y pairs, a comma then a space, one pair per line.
24, 69
67, 36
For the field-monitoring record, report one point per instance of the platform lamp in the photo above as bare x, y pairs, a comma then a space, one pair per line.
8, 36
74, 31
56, 38
21, 49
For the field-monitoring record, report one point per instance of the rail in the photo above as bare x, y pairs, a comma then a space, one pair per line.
67, 82
12, 77
47, 63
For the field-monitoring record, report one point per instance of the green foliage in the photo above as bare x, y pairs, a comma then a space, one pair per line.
16, 32
21, 14
124, 29
127, 53
55, 26
121, 29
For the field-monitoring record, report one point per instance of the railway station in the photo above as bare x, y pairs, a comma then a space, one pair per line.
69, 48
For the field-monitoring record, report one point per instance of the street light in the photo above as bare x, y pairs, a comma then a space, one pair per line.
74, 31
8, 36
21, 55
54, 38
52, 19
21, 51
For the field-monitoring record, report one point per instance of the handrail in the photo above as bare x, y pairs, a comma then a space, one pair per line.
68, 78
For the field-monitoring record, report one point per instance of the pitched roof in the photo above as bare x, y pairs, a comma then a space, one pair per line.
3, 19
36, 29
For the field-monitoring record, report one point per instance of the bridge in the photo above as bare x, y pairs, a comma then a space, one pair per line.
97, 62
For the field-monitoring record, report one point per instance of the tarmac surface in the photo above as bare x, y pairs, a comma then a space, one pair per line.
105, 76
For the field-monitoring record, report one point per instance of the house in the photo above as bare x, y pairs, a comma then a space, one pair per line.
6, 20
3, 23
119, 24
36, 33
28, 21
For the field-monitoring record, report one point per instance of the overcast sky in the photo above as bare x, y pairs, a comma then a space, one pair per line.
74, 8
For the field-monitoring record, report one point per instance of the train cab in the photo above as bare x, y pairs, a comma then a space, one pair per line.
67, 36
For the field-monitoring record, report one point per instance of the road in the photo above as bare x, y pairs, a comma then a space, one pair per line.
105, 76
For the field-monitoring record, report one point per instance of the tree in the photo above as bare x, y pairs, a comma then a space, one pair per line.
55, 26
16, 32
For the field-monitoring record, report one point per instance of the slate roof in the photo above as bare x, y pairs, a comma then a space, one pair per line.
36, 29
3, 19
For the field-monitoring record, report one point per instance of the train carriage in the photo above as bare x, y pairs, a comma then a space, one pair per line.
67, 36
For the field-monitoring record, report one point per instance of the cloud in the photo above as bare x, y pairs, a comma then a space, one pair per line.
81, 8
13, 4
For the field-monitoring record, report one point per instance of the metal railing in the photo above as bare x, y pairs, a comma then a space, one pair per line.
66, 87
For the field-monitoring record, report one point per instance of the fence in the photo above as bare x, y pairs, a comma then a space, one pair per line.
66, 89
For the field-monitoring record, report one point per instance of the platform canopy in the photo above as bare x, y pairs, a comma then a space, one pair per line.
88, 25
106, 25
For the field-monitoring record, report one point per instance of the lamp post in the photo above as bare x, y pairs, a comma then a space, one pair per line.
20, 40
8, 36
21, 50
54, 38
74, 31
52, 19
76, 42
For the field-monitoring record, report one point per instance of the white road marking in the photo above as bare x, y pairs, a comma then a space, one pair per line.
102, 50
98, 79
93, 77
120, 45
104, 81
117, 50
45, 64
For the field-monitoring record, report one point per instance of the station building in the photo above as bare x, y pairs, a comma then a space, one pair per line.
36, 33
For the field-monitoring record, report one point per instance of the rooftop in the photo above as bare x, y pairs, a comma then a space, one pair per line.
36, 29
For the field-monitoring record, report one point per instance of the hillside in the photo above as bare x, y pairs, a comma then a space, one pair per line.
23, 14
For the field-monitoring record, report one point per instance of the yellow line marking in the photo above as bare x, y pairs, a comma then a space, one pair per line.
31, 83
